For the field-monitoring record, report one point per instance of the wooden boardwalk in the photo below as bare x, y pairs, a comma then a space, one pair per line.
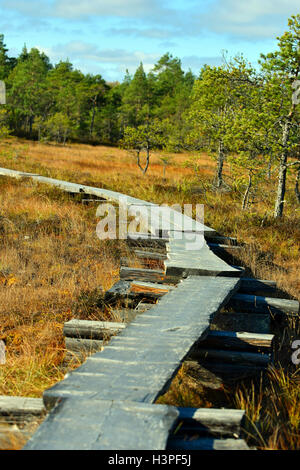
109, 401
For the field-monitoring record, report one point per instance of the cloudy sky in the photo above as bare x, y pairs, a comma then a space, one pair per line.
109, 36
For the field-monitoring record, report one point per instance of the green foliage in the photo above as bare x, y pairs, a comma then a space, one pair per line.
4, 130
145, 137
57, 127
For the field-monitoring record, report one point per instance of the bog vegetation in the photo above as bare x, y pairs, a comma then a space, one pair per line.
228, 138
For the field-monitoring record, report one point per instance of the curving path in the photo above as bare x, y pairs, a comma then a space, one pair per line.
108, 402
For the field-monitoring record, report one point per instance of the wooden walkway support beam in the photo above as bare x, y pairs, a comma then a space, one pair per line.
260, 304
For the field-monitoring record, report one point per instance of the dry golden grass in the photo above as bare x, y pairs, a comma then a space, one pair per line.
50, 258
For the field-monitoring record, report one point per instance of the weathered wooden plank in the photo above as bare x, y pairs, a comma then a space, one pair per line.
104, 425
190, 256
150, 275
215, 339
146, 239
91, 329
207, 443
219, 239
119, 290
242, 321
234, 357
236, 341
262, 304
16, 409
19, 419
149, 289
160, 342
165, 220
133, 290
221, 422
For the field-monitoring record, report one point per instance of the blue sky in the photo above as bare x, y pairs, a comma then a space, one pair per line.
108, 36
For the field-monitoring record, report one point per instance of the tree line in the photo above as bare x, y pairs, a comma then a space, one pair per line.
248, 116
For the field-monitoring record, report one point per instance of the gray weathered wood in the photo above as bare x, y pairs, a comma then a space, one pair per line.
151, 275
104, 425
91, 329
144, 262
222, 240
146, 239
19, 419
146, 275
234, 357
236, 341
242, 321
262, 304
119, 290
190, 255
140, 363
221, 422
16, 409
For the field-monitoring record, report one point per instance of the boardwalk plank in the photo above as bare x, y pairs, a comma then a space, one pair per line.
179, 320
96, 425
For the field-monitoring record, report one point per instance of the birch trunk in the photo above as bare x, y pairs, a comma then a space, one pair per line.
221, 158
297, 192
281, 188
246, 195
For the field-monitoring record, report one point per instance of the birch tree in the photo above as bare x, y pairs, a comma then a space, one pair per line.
281, 69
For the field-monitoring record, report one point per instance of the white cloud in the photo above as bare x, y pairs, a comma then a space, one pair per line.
110, 63
119, 8
90, 52
81, 54
70, 9
163, 19
153, 33
195, 63
251, 18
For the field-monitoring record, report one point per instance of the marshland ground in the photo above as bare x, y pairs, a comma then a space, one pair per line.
54, 268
